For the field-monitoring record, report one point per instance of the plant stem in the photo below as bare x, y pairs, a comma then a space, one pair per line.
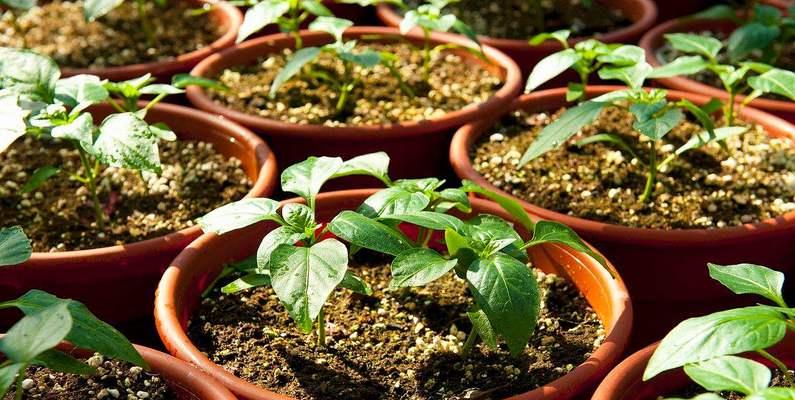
470, 342
91, 185
154, 101
651, 175
780, 365
145, 26
321, 329
19, 390
730, 112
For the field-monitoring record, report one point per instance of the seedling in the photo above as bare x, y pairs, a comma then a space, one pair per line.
48, 321
287, 14
14, 246
733, 76
707, 347
37, 102
654, 115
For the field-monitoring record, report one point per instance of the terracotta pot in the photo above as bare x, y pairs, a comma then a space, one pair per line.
642, 13
653, 261
654, 40
784, 5
197, 266
223, 14
416, 148
118, 283
625, 382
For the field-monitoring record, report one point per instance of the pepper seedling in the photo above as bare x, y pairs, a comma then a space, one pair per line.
287, 14
37, 102
707, 347
734, 77
654, 117
302, 266
48, 321
485, 251
15, 246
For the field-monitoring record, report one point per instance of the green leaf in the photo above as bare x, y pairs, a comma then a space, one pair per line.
246, 282
682, 66
160, 88
550, 67
483, 327
20, 5
695, 44
369, 234
624, 56
410, 20
87, 332
80, 91
750, 279
299, 217
419, 267
633, 75
428, 219
299, 59
40, 175
261, 15
373, 164
307, 177
555, 232
125, 141
28, 74
450, 198
36, 332
730, 374
304, 277
559, 131
703, 138
608, 138
722, 333
508, 204
419, 185
703, 118
657, 127
774, 393
81, 131
333, 26
391, 201
720, 11
778, 81
355, 284
367, 58
14, 246
316, 8
239, 214
750, 37
184, 80
58, 361
466, 30
93, 9
561, 36
575, 91
275, 238
12, 121
507, 292
8, 375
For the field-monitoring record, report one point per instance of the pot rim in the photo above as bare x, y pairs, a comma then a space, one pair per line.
511, 87
462, 165
231, 16
651, 41
387, 14
588, 373
265, 182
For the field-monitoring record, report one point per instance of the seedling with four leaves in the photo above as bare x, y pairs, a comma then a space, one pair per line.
708, 347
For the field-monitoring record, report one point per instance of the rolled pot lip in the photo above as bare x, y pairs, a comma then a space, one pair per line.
387, 14
177, 342
512, 84
466, 137
653, 39
265, 182
182, 62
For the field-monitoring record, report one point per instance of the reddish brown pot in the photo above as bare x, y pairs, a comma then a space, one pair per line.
669, 9
118, 283
197, 266
625, 382
784, 5
643, 13
223, 14
665, 270
654, 40
416, 148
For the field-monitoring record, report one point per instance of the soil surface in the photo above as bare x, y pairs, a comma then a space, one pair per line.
58, 29
514, 19
453, 84
58, 216
400, 344
113, 380
703, 188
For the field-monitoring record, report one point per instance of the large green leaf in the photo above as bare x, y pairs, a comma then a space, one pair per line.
393, 200
28, 74
682, 66
695, 44
778, 81
419, 267
559, 131
275, 238
751, 37
719, 334
299, 217
239, 214
507, 292
12, 121
93, 9
750, 279
307, 177
14, 246
730, 374
632, 75
304, 277
774, 393
555, 232
369, 234
8, 375
80, 91
39, 176
657, 127
36, 333
299, 59
550, 67
58, 361
374, 164
261, 15
125, 141
428, 219
81, 131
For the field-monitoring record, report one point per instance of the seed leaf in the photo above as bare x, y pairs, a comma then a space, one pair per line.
369, 234
730, 374
355, 284
239, 214
550, 67
419, 267
39, 176
14, 246
299, 59
750, 279
559, 131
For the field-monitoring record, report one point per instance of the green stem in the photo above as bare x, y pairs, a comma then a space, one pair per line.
321, 329
730, 112
145, 24
651, 175
470, 342
780, 365
299, 42
116, 105
154, 102
19, 390
91, 185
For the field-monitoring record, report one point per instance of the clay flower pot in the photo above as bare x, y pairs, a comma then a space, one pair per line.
182, 284
625, 382
223, 14
665, 270
415, 148
118, 283
653, 40
642, 13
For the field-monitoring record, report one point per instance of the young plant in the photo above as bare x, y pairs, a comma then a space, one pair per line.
287, 14
14, 246
654, 117
707, 347
37, 102
48, 321
733, 76
485, 251
296, 259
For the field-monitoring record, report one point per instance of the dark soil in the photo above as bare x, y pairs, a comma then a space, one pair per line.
514, 19
704, 188
58, 29
114, 380
453, 84
394, 345
58, 216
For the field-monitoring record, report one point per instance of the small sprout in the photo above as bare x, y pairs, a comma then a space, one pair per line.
287, 14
